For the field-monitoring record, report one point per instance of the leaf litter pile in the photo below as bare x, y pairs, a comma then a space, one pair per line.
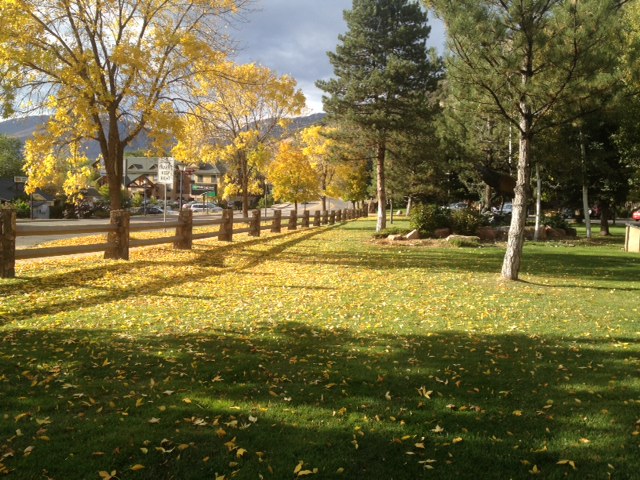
319, 354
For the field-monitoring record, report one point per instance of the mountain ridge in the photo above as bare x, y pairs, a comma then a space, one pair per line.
24, 128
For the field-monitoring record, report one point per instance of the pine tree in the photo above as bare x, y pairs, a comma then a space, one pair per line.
383, 75
529, 62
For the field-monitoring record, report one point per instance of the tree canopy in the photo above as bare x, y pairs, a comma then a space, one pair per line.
240, 116
383, 75
528, 62
106, 70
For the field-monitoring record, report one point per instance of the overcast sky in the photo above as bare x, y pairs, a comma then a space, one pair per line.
293, 37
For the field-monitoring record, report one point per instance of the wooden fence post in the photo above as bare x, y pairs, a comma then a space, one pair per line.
7, 243
254, 226
118, 248
226, 227
276, 226
332, 217
184, 231
339, 216
316, 218
325, 217
305, 219
293, 220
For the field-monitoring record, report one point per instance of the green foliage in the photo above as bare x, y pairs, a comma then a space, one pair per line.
555, 220
427, 218
466, 221
265, 202
11, 158
23, 208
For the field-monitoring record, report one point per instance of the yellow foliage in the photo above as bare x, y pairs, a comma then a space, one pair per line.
117, 64
293, 178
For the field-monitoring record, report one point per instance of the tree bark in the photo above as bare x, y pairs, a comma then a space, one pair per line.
515, 242
536, 233
381, 223
585, 187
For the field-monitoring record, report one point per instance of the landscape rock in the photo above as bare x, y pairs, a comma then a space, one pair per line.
393, 238
412, 235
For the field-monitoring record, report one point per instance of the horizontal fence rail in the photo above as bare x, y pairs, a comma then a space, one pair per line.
119, 230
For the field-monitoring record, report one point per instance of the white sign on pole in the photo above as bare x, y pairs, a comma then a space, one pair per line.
166, 168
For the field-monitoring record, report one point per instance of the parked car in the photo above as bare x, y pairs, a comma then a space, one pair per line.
153, 209
507, 209
457, 206
636, 215
201, 207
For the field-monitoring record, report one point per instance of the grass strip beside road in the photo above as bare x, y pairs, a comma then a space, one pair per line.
322, 354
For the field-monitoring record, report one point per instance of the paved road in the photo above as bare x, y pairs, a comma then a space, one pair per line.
31, 241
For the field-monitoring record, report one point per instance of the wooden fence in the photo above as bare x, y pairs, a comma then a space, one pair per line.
119, 241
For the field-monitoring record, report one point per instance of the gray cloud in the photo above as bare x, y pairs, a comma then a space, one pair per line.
293, 37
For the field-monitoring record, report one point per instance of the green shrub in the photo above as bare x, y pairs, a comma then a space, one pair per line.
555, 220
466, 221
23, 209
427, 218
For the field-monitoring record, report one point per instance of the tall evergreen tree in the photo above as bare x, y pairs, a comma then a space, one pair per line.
383, 75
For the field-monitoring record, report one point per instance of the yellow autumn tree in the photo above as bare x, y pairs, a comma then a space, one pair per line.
320, 149
292, 176
240, 117
105, 70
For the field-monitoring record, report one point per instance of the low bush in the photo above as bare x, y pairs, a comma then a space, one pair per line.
466, 221
427, 218
555, 220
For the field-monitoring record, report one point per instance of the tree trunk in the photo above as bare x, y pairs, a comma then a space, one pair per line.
244, 184
536, 233
515, 242
381, 223
604, 219
324, 202
408, 212
585, 187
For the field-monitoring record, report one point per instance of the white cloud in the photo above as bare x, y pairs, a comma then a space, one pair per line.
293, 37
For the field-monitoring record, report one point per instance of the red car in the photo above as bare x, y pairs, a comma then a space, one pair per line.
636, 215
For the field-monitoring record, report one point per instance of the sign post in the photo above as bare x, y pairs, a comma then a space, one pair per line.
166, 168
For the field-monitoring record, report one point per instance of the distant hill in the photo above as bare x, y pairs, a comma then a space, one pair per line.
23, 128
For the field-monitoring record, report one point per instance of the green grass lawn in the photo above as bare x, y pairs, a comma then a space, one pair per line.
323, 354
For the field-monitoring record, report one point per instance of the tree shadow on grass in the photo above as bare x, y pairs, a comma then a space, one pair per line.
376, 405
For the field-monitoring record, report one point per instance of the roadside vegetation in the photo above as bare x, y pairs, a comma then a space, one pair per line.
323, 354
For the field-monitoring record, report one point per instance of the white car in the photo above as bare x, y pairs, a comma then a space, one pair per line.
201, 207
